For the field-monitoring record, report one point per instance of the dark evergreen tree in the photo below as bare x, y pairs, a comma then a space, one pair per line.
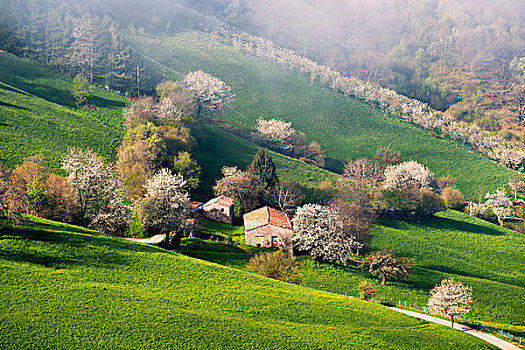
263, 169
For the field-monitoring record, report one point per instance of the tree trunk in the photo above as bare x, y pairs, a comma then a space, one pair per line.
175, 241
452, 318
383, 280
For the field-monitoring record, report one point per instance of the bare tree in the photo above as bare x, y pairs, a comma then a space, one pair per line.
450, 298
384, 265
286, 196
363, 170
82, 51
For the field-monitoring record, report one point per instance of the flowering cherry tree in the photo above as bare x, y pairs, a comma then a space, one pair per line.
275, 133
409, 175
499, 204
319, 231
100, 193
450, 298
212, 94
162, 207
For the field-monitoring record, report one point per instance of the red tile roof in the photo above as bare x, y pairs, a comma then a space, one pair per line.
221, 200
264, 216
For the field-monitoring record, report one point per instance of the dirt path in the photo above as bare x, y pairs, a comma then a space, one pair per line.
489, 338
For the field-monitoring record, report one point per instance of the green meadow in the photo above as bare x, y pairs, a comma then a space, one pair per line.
344, 127
65, 287
484, 256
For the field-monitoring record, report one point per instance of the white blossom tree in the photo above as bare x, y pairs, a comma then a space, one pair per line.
100, 193
450, 298
409, 175
499, 204
517, 185
275, 133
319, 231
211, 93
162, 209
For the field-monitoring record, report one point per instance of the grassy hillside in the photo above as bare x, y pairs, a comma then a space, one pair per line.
38, 115
345, 128
488, 258
66, 287
217, 148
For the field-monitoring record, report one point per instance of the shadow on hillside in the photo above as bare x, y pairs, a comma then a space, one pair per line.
5, 104
458, 225
4, 86
105, 103
57, 246
334, 165
444, 224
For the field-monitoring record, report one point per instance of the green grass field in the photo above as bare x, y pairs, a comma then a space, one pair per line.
38, 115
66, 287
488, 258
217, 148
345, 128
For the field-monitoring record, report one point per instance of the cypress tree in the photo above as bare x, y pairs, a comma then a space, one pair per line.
263, 169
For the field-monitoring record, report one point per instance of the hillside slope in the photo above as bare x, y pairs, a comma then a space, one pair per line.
487, 257
67, 287
345, 127
216, 149
38, 115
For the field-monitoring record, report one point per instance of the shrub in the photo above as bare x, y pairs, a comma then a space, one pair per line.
452, 197
410, 203
366, 290
278, 265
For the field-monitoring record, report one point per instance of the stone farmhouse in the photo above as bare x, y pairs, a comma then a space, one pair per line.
267, 227
219, 209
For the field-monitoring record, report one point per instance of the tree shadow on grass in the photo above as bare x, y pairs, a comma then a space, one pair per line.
444, 224
105, 103
458, 225
9, 105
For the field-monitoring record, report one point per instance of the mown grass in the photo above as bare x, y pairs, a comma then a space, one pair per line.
67, 287
38, 115
345, 127
488, 258
216, 149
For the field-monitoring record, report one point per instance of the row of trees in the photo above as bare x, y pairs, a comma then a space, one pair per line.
498, 205
73, 41
490, 144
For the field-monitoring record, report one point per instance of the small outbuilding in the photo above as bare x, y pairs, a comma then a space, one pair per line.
267, 227
219, 209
